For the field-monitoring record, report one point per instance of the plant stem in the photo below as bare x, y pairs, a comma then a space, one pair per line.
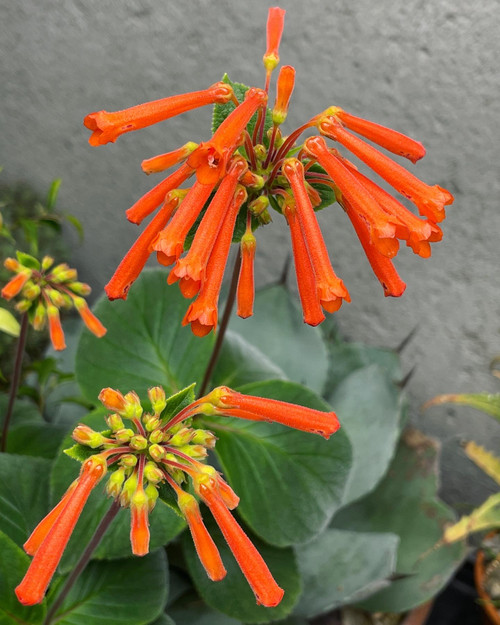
83, 561
228, 309
16, 376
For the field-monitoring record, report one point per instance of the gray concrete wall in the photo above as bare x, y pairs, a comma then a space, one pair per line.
427, 68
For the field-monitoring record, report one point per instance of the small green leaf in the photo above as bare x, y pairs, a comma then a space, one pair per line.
369, 408
240, 362
76, 223
129, 592
8, 323
50, 202
278, 330
13, 565
485, 517
405, 504
24, 490
326, 192
145, 344
233, 595
27, 260
78, 452
290, 482
339, 567
175, 403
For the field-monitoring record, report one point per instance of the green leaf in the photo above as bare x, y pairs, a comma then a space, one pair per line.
13, 565
485, 402
233, 595
405, 504
221, 111
191, 610
163, 619
76, 223
175, 403
24, 491
240, 362
125, 592
29, 433
27, 260
165, 524
278, 330
485, 517
145, 344
50, 202
290, 482
484, 459
30, 229
8, 323
369, 408
339, 567
326, 192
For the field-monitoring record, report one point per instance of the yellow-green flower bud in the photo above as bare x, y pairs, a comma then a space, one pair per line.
182, 437
40, 316
115, 422
31, 290
80, 288
128, 460
138, 442
115, 482
152, 495
47, 262
23, 305
157, 398
258, 208
260, 152
153, 473
128, 490
205, 438
133, 408
63, 273
124, 436
150, 422
156, 452
56, 297
195, 451
85, 435
156, 436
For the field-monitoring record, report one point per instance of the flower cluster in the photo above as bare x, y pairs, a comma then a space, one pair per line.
249, 166
157, 448
45, 289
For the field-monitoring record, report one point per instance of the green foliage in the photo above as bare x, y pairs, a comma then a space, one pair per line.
232, 595
145, 344
13, 565
130, 592
8, 323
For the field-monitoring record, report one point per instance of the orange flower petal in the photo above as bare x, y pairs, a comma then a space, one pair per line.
55, 328
275, 24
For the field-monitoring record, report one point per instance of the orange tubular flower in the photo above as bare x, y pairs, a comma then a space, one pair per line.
164, 161
88, 317
55, 328
251, 563
275, 25
149, 202
108, 127
357, 195
391, 140
193, 265
135, 259
306, 280
430, 201
381, 265
14, 286
331, 289
210, 158
205, 547
34, 584
246, 280
202, 314
284, 88
170, 241
229, 403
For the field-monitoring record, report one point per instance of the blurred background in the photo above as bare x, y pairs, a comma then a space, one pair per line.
428, 69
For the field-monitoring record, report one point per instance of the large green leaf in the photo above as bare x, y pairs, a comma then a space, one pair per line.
339, 567
29, 434
165, 524
369, 407
290, 482
13, 565
123, 592
240, 362
145, 344
278, 330
24, 488
405, 504
233, 595
191, 610
485, 402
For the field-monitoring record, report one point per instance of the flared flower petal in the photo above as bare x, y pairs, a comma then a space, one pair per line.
331, 289
32, 588
108, 127
430, 201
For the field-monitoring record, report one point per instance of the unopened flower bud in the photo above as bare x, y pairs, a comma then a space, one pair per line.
128, 461
23, 305
279, 139
260, 152
40, 316
153, 473
114, 422
182, 437
47, 262
157, 398
156, 452
195, 451
156, 436
138, 442
124, 436
152, 495
128, 490
133, 408
31, 290
11, 264
151, 422
85, 435
55, 297
112, 400
63, 273
115, 482
258, 208
80, 288
205, 438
